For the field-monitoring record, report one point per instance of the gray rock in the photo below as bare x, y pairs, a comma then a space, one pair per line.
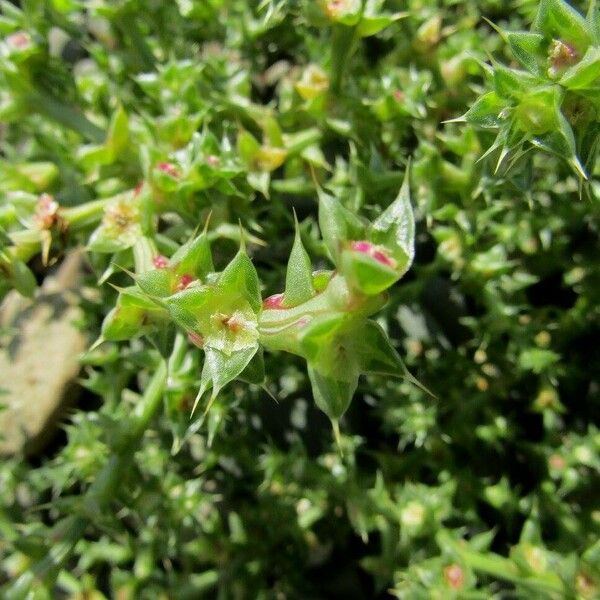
39, 359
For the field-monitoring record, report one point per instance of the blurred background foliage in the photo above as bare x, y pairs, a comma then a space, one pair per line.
489, 490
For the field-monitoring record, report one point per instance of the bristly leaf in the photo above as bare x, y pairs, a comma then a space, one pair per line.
159, 283
333, 396
240, 277
395, 228
337, 224
194, 257
486, 111
220, 369
298, 280
530, 49
558, 20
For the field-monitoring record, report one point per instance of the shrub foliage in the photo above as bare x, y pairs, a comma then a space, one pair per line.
341, 293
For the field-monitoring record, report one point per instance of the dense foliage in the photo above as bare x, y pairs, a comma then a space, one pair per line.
296, 214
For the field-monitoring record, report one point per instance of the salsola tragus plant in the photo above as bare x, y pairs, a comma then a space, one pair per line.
230, 169
551, 99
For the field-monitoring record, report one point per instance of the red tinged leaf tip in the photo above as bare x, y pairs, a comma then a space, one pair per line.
213, 161
168, 168
196, 339
374, 252
274, 302
364, 247
184, 281
160, 261
138, 188
383, 258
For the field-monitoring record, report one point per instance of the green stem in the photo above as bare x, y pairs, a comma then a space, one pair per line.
67, 116
295, 143
99, 494
342, 43
79, 217
504, 568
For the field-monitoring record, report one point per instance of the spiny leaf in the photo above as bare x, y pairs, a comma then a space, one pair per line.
298, 281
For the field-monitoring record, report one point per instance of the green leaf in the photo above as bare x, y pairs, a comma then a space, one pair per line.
538, 111
537, 359
372, 24
558, 20
194, 257
585, 74
158, 283
530, 49
240, 277
366, 274
186, 307
513, 83
395, 228
487, 111
273, 132
128, 317
337, 224
562, 143
298, 280
118, 134
220, 369
321, 333
333, 396
260, 181
255, 370
22, 278
248, 147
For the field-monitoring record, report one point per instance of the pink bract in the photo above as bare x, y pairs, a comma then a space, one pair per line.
376, 253
273, 302
168, 168
184, 281
196, 339
160, 261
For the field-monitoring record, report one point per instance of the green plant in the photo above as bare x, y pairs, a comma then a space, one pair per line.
232, 170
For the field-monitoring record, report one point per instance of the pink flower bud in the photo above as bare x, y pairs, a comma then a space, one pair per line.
196, 339
561, 56
213, 161
19, 40
374, 252
46, 212
184, 281
168, 168
454, 576
273, 302
160, 261
398, 95
138, 188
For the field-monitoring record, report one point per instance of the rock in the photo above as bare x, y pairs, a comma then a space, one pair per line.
39, 352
